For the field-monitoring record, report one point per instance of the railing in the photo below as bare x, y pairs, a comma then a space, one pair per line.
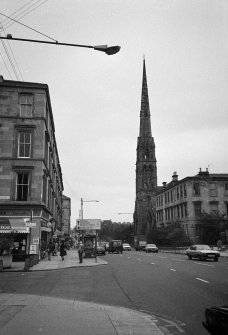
173, 250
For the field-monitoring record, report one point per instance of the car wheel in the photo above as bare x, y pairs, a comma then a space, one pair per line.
189, 257
216, 259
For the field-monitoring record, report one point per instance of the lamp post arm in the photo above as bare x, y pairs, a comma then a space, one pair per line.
104, 48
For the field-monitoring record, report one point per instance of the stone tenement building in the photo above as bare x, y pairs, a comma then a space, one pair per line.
181, 201
185, 200
31, 184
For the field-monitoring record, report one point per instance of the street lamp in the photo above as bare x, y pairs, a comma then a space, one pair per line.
104, 48
82, 201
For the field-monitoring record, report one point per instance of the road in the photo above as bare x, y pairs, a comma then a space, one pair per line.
166, 285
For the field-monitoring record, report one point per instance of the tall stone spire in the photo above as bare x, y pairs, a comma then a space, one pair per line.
146, 168
145, 124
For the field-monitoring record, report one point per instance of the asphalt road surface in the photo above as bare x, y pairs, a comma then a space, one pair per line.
168, 286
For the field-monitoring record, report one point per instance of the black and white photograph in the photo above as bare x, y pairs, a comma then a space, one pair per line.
113, 167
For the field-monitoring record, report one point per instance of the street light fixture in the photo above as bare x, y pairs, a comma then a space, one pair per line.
104, 48
82, 201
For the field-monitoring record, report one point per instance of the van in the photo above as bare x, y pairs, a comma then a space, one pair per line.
115, 246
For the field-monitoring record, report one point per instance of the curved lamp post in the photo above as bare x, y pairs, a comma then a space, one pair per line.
104, 48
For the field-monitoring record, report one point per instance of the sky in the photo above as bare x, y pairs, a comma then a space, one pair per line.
96, 98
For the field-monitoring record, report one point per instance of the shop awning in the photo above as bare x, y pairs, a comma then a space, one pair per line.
5, 227
16, 225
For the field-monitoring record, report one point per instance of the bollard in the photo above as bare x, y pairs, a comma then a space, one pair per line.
26, 268
31, 261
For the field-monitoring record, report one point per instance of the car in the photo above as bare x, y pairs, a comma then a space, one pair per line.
100, 249
151, 248
216, 320
126, 247
202, 252
115, 246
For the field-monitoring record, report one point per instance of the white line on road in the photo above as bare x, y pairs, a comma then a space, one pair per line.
180, 260
152, 263
161, 256
205, 281
173, 270
204, 264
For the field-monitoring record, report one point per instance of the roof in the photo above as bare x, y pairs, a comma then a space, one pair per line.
207, 177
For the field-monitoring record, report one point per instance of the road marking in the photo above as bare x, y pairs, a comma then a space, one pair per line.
204, 264
205, 281
180, 260
152, 263
161, 256
173, 270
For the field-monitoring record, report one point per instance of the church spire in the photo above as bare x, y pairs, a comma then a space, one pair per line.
145, 124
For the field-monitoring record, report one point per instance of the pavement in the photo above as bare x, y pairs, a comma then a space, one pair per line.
32, 314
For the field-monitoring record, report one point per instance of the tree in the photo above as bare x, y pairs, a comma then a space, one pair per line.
211, 227
171, 235
116, 231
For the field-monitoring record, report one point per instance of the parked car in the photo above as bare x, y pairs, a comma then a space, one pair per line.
115, 246
100, 249
202, 252
151, 248
126, 247
216, 320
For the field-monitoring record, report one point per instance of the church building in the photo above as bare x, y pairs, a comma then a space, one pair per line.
146, 170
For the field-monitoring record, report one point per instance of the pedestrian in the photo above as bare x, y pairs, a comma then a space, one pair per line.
49, 250
62, 250
80, 251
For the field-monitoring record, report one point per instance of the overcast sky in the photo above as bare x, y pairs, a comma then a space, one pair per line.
96, 98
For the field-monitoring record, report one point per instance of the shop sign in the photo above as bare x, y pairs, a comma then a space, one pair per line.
35, 240
32, 249
89, 224
31, 224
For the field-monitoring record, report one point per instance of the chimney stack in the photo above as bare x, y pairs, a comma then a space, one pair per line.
175, 176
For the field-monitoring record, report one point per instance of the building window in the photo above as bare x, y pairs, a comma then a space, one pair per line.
178, 195
196, 189
185, 191
171, 195
213, 190
226, 188
26, 105
181, 191
44, 195
214, 207
22, 186
24, 144
197, 208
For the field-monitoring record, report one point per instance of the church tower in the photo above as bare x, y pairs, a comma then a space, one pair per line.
146, 170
